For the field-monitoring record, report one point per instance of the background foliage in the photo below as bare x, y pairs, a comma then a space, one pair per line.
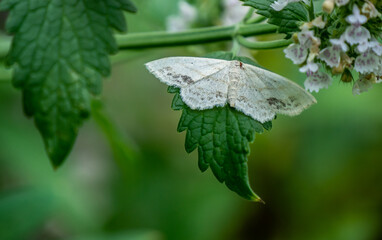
320, 173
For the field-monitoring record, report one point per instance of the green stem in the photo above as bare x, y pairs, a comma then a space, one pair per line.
166, 39
235, 47
257, 19
263, 45
248, 15
189, 37
310, 10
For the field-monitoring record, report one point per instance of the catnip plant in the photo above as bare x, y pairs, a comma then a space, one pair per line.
59, 50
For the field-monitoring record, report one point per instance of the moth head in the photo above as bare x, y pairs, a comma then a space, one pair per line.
238, 64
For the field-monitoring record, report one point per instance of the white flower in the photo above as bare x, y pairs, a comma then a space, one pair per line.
176, 24
363, 84
311, 66
187, 11
376, 47
367, 62
340, 43
306, 38
281, 4
355, 33
317, 81
234, 12
356, 18
182, 21
363, 47
373, 45
341, 2
332, 55
296, 53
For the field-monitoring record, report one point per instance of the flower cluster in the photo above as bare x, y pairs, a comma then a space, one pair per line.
344, 40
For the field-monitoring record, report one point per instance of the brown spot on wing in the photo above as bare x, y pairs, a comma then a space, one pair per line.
177, 77
276, 102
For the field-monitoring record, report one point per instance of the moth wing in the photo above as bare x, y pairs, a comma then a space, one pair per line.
262, 94
208, 92
184, 71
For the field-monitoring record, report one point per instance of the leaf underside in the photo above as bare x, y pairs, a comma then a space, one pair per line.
222, 136
289, 19
60, 54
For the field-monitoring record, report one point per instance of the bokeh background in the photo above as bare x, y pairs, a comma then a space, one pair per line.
129, 177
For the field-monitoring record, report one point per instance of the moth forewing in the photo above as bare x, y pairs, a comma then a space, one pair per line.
184, 71
264, 93
211, 91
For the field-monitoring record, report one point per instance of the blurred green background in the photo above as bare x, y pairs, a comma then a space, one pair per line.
129, 178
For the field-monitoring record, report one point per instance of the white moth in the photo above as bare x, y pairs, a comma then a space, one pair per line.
206, 83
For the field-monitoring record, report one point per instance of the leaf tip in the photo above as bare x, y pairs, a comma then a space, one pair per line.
256, 198
58, 149
57, 157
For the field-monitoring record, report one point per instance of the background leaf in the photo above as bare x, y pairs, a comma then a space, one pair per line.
34, 205
60, 54
131, 235
222, 136
289, 19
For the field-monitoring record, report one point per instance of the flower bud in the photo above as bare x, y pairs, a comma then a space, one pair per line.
328, 6
315, 48
295, 38
364, 83
337, 70
346, 60
346, 76
369, 10
319, 22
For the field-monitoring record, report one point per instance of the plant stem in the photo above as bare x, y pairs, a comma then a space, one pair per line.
166, 39
235, 47
257, 19
248, 15
193, 36
310, 10
263, 45
189, 37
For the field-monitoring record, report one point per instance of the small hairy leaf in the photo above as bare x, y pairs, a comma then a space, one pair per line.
288, 19
60, 54
222, 136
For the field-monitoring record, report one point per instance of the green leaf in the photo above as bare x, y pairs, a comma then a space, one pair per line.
130, 235
222, 136
22, 212
289, 19
60, 54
